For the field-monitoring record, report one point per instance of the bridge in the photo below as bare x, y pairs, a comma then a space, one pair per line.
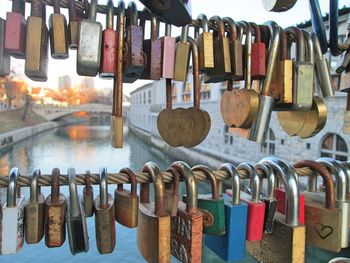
52, 113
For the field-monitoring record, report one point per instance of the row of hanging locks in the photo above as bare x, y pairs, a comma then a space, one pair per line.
222, 50
274, 222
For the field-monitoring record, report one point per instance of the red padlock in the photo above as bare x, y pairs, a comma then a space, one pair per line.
15, 30
108, 68
258, 54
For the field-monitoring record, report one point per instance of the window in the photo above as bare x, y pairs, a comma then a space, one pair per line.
308, 146
144, 98
205, 91
268, 146
228, 136
149, 97
334, 146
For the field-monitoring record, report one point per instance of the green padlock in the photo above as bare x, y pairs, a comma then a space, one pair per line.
212, 206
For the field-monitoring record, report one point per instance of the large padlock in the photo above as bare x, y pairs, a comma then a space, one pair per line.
322, 220
126, 203
88, 196
104, 217
15, 30
187, 226
37, 36
153, 230
34, 211
286, 243
58, 33
55, 213
278, 5
222, 58
133, 46
258, 54
168, 54
89, 44
4, 57
108, 67
12, 222
212, 205
231, 246
205, 42
182, 56
76, 220
73, 25
172, 192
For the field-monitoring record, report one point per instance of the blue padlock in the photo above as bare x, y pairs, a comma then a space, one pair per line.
231, 246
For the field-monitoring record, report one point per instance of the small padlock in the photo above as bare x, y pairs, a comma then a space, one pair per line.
231, 246
104, 218
153, 230
172, 192
15, 30
58, 33
37, 36
133, 46
182, 56
12, 222
4, 57
55, 213
88, 196
322, 221
205, 42
76, 219
126, 202
212, 205
34, 211
168, 54
187, 226
73, 25
278, 5
258, 54
89, 44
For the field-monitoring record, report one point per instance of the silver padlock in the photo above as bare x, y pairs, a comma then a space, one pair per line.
12, 217
89, 44
76, 219
278, 5
4, 58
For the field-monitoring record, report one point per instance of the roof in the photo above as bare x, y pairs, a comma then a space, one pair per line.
148, 85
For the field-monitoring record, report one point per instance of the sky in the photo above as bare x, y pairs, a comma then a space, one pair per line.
248, 10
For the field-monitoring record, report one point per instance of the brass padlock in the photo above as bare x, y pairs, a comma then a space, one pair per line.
37, 37
205, 42
104, 218
88, 196
126, 202
153, 230
182, 56
4, 57
58, 33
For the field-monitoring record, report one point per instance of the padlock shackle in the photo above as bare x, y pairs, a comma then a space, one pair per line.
210, 175
338, 172
257, 32
103, 188
176, 179
34, 186
132, 178
184, 34
253, 178
231, 27
298, 37
18, 6
154, 28
287, 174
191, 187
12, 187
248, 54
93, 10
110, 14
271, 179
195, 73
131, 14
55, 186
169, 93
202, 18
73, 194
88, 186
233, 173
220, 27
72, 11
36, 8
284, 49
347, 174
326, 176
309, 48
167, 30
56, 7
159, 188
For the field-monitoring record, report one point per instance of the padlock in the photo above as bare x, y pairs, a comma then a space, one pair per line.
286, 243
212, 205
34, 211
236, 50
104, 218
12, 222
172, 193
278, 5
231, 246
133, 46
205, 43
73, 25
58, 33
55, 213
322, 220
37, 36
108, 67
76, 220
269, 199
89, 44
126, 203
88, 196
15, 30
4, 57
153, 230
182, 56
256, 208
258, 66
168, 54
222, 58
152, 52
187, 226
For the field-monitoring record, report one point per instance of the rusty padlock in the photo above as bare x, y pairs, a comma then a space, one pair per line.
258, 54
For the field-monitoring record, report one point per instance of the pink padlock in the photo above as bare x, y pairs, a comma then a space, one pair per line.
168, 54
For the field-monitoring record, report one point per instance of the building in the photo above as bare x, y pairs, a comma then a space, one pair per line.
64, 83
149, 100
87, 84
